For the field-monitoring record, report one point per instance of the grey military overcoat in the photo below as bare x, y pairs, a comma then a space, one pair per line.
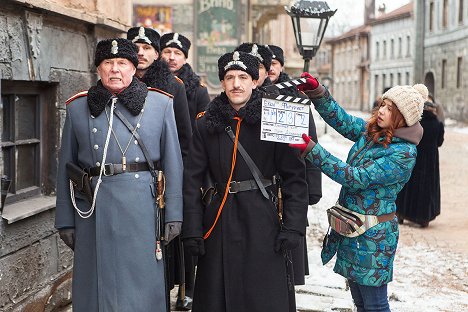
115, 268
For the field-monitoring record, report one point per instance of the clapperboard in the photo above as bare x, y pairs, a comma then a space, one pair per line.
284, 118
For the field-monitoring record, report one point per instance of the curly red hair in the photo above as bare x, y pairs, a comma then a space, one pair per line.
375, 132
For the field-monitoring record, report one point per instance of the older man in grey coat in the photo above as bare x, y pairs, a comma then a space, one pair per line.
115, 234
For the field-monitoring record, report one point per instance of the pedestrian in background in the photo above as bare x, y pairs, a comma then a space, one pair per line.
439, 109
243, 248
117, 265
174, 51
264, 56
155, 73
378, 166
419, 200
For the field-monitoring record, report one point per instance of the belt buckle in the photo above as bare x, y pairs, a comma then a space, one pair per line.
111, 170
233, 183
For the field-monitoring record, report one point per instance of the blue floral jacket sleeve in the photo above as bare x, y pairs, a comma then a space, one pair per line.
349, 126
379, 167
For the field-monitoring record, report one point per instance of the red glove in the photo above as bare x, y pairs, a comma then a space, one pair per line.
301, 146
311, 83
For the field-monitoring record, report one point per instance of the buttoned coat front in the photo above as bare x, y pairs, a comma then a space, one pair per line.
115, 268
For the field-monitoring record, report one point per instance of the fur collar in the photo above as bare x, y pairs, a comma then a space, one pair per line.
190, 79
283, 77
160, 76
133, 97
220, 112
268, 83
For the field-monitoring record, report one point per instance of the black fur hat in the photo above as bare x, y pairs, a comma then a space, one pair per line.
144, 35
263, 54
115, 48
278, 53
238, 60
176, 40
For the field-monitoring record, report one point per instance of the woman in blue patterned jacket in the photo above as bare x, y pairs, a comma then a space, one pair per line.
378, 166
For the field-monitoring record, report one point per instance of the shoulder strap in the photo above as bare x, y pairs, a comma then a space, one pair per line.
253, 168
161, 91
74, 97
137, 137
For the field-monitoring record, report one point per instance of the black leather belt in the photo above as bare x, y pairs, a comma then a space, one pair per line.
113, 169
242, 186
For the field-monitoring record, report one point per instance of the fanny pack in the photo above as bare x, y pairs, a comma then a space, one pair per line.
352, 224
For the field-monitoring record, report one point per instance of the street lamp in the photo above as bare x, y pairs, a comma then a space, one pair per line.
310, 20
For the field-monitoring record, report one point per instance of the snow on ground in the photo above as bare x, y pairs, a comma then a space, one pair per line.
426, 278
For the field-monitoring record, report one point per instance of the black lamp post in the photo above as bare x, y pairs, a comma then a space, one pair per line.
310, 20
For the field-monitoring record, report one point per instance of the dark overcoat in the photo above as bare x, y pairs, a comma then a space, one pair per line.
160, 76
114, 267
198, 99
197, 93
240, 270
419, 200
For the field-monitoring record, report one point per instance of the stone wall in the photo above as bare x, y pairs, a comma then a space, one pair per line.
452, 98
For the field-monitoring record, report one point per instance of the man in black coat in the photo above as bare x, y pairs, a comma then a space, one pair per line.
155, 73
271, 60
242, 245
174, 50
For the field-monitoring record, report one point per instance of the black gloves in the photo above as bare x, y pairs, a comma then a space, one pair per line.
195, 246
287, 240
172, 230
68, 237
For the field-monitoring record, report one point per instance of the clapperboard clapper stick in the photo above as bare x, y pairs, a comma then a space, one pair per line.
288, 84
284, 117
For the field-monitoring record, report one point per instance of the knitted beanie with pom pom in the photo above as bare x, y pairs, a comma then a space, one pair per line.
409, 100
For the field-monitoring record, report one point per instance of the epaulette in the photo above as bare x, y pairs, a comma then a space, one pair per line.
179, 80
200, 115
161, 91
74, 97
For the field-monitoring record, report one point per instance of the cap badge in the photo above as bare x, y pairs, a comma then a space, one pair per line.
175, 40
255, 53
235, 61
273, 56
114, 48
142, 36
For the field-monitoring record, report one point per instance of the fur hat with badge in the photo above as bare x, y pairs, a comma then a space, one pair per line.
116, 48
238, 60
176, 40
409, 100
278, 53
263, 54
144, 35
